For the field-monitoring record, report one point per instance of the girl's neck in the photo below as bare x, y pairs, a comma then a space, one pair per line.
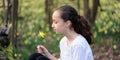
71, 35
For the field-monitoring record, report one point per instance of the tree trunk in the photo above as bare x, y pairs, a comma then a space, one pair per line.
7, 11
48, 11
78, 5
4, 10
86, 9
14, 23
96, 3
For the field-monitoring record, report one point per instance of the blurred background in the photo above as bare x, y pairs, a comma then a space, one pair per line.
24, 24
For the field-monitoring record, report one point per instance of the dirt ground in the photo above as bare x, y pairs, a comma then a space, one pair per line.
106, 51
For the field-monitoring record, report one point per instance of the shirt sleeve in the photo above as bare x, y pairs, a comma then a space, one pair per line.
78, 53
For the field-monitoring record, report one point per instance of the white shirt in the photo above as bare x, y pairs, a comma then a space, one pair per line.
79, 49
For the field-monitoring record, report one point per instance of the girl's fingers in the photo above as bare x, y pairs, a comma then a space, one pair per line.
40, 49
38, 46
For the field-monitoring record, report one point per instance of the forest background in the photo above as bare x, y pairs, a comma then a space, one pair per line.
32, 26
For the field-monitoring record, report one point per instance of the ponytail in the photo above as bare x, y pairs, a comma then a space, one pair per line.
84, 28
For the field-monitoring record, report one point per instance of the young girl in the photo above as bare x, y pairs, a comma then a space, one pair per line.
77, 36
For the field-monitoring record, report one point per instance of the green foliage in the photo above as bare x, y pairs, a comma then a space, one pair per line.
107, 22
8, 52
35, 23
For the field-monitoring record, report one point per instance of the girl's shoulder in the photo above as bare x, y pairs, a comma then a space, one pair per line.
80, 41
63, 39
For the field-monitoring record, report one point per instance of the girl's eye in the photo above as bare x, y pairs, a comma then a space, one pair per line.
55, 22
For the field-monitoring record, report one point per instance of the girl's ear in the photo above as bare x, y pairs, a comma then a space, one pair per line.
68, 23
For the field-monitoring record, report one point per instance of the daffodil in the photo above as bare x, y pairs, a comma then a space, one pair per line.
15, 55
41, 34
115, 46
19, 55
27, 42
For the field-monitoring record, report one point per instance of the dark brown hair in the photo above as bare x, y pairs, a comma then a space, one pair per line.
79, 23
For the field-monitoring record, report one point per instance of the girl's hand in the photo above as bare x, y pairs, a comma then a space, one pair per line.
41, 49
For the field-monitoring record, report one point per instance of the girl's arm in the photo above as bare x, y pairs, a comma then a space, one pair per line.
43, 50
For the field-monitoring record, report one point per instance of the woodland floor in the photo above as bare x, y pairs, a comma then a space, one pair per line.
107, 50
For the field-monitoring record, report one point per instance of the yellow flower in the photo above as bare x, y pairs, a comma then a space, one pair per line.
19, 55
41, 34
27, 42
15, 55
115, 46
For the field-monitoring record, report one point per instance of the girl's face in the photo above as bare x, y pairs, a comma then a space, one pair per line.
58, 23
